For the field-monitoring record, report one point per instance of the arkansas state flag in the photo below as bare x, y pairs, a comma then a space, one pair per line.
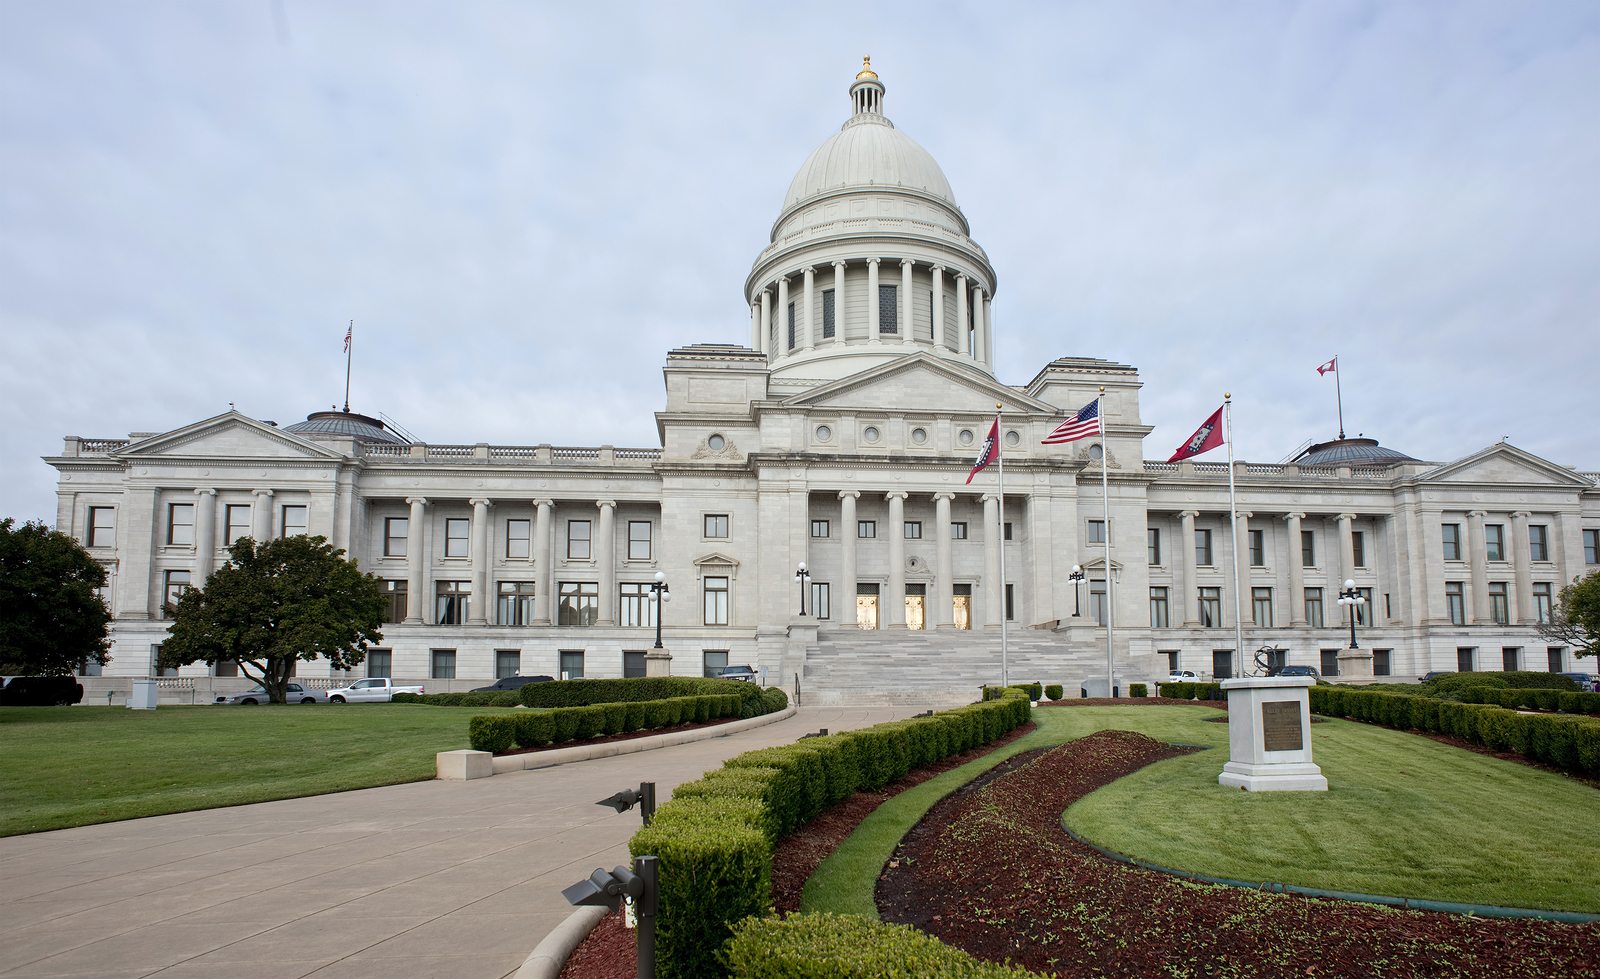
1205, 438
1330, 367
990, 451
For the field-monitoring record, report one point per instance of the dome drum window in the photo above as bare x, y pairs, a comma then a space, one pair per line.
716, 443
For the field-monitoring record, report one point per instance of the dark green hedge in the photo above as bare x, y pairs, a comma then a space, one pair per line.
492, 698
1563, 701
531, 729
715, 836
1566, 742
582, 693
1191, 691
831, 946
1138, 690
1452, 685
1053, 692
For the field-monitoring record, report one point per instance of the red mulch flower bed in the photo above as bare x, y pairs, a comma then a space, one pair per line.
991, 870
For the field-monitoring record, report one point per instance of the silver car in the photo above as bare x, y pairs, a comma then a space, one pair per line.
258, 695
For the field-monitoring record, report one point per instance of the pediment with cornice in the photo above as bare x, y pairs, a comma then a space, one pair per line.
1504, 463
918, 382
227, 436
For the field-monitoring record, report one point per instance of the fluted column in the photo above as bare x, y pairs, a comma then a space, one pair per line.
1477, 558
872, 299
1297, 571
205, 534
1189, 600
906, 330
417, 599
937, 273
992, 531
783, 315
1241, 543
1347, 545
988, 329
944, 572
478, 605
838, 314
1521, 560
980, 339
755, 327
606, 562
808, 324
544, 598
847, 551
895, 612
962, 343
767, 346
261, 516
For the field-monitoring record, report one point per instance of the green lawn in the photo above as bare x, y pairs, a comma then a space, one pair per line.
71, 766
1403, 816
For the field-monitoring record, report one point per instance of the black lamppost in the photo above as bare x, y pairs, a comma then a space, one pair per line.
1352, 600
802, 576
662, 593
1076, 577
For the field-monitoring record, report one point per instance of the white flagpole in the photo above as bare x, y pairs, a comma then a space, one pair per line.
1233, 524
1105, 494
1338, 392
1000, 458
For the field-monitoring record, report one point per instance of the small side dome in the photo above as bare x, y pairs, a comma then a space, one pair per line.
344, 424
1350, 452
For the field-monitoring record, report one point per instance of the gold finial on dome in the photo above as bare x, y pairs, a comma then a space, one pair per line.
866, 69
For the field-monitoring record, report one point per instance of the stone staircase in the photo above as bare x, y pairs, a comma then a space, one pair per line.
850, 666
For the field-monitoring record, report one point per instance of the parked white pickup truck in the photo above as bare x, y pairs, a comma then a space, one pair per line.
372, 690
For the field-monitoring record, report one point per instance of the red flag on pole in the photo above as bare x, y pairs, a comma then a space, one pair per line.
990, 451
1205, 438
1332, 365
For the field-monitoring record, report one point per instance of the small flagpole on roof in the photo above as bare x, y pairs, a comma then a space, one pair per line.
1338, 395
1000, 489
349, 342
1233, 525
1105, 494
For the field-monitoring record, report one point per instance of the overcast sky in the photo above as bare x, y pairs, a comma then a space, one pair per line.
524, 205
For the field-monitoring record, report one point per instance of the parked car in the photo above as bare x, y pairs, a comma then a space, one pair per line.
1183, 676
1431, 674
40, 691
372, 690
1291, 670
296, 694
1585, 681
512, 683
740, 672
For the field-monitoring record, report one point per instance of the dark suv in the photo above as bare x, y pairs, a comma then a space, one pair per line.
1310, 671
511, 683
741, 672
40, 691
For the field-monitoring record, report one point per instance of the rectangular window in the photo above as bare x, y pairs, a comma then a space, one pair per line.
636, 605
102, 526
395, 606
1097, 531
1543, 602
457, 536
866, 529
1314, 607
1499, 603
1464, 658
1455, 603
1539, 542
1591, 547
819, 528
294, 520
1159, 614
1511, 658
958, 530
450, 601
888, 309
396, 533
712, 661
1556, 658
518, 539
1308, 548
716, 526
578, 542
1222, 663
632, 663
1011, 603
442, 664
1452, 541
1364, 610
1005, 530
175, 584
235, 521
1202, 548
1097, 601
225, 668
829, 317
507, 662
716, 600
1153, 546
913, 530
380, 663
1261, 606
180, 524
1358, 548
1330, 662
1211, 606
1382, 662
579, 603
790, 318
639, 540
514, 603
1494, 541
1258, 548
571, 664
821, 604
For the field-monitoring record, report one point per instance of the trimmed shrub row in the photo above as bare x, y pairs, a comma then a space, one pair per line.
1191, 691
489, 698
1533, 699
1451, 683
1138, 690
1053, 692
1568, 743
715, 837
753, 701
500, 732
836, 946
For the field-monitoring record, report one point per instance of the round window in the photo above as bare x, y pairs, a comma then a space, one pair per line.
716, 443
1095, 452
824, 433
1012, 438
965, 436
919, 435
870, 433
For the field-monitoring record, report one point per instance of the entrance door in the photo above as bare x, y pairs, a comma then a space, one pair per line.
916, 610
867, 607
961, 607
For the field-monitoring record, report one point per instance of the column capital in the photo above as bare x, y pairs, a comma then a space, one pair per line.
541, 503
417, 500
1477, 514
481, 501
766, 293
266, 493
1188, 514
850, 494
840, 263
1346, 517
603, 504
936, 269
783, 279
990, 497
906, 261
961, 277
1294, 516
896, 495
944, 495
205, 491
809, 270
874, 261
1246, 514
1521, 515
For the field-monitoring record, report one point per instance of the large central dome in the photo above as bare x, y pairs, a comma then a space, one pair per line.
868, 152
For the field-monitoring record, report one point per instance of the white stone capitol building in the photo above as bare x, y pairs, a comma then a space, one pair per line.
841, 438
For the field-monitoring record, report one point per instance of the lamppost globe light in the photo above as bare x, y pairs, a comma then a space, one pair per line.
1077, 569
666, 596
660, 577
1349, 582
802, 567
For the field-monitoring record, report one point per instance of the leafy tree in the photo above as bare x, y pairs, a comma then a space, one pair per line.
1575, 620
295, 598
51, 619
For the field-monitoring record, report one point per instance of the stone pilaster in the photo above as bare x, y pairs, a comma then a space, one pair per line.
808, 323
205, 534
872, 300
478, 606
1296, 569
418, 601
606, 561
993, 597
261, 516
847, 555
943, 585
938, 307
1189, 597
838, 318
1521, 561
544, 599
895, 604
1478, 559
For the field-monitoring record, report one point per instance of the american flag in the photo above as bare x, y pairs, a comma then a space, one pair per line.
1085, 423
348, 333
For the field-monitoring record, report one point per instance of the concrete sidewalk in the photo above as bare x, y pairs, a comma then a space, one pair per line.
449, 879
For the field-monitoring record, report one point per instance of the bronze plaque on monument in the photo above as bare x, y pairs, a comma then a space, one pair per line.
1280, 726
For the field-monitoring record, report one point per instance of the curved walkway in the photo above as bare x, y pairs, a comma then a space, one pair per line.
451, 879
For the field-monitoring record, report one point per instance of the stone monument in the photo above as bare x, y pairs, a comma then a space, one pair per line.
1269, 735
